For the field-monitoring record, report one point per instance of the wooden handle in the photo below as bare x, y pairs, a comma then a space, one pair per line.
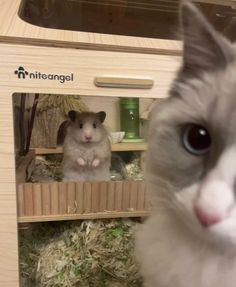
128, 83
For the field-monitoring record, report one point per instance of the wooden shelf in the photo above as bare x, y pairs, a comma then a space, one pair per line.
129, 146
140, 146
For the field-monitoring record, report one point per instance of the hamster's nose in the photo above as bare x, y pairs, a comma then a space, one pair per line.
205, 217
88, 138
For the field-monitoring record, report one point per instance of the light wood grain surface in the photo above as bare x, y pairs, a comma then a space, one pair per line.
80, 200
8, 222
85, 66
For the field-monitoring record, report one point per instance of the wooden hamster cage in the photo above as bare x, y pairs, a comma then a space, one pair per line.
32, 60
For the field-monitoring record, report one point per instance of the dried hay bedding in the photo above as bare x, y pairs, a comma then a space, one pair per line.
86, 253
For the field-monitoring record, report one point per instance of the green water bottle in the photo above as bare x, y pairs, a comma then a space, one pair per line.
129, 118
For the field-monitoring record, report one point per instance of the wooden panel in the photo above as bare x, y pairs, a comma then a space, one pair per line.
28, 196
79, 197
62, 197
111, 196
65, 198
71, 208
103, 196
134, 195
20, 200
95, 196
87, 197
147, 203
9, 273
46, 199
141, 196
126, 195
54, 198
38, 199
85, 65
118, 195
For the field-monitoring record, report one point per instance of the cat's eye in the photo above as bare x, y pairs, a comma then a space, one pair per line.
94, 126
196, 139
80, 126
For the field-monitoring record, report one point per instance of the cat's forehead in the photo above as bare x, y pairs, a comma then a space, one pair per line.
209, 100
214, 96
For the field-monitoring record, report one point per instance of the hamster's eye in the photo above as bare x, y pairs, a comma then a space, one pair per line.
94, 126
80, 126
196, 139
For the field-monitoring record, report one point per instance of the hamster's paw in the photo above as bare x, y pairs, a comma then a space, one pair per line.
95, 162
81, 161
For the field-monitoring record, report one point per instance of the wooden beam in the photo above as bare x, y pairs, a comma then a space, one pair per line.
98, 215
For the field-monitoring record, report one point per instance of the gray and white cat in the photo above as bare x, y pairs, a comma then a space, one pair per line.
190, 238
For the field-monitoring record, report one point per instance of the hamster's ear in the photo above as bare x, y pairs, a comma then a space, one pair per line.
204, 48
101, 115
72, 115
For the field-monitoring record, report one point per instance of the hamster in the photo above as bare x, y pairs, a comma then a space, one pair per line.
87, 149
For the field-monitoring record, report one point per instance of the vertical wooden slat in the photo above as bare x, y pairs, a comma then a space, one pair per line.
20, 200
133, 195
54, 198
141, 196
126, 196
37, 199
103, 196
111, 196
118, 195
87, 197
71, 208
68, 197
28, 203
79, 197
146, 199
62, 197
46, 199
95, 196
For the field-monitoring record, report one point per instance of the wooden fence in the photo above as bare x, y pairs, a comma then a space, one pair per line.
81, 200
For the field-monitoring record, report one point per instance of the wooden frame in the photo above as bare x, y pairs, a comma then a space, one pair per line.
45, 51
82, 57
86, 56
85, 65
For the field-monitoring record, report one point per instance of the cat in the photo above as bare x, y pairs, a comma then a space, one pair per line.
189, 240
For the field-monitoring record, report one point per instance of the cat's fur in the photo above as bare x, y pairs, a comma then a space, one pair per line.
173, 248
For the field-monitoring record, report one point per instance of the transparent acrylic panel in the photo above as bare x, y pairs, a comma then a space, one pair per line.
53, 249
152, 18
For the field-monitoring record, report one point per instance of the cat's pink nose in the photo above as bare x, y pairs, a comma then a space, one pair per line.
206, 218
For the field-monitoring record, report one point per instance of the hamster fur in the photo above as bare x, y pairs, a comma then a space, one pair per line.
87, 149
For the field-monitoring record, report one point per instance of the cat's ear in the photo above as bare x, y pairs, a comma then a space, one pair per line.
204, 48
